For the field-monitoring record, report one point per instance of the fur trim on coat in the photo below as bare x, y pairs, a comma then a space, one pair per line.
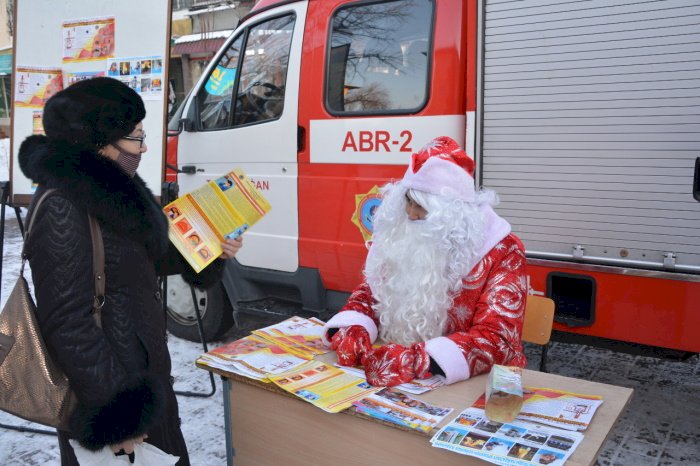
96, 184
129, 414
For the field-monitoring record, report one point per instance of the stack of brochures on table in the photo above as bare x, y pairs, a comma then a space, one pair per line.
252, 357
557, 408
272, 350
394, 406
415, 387
559, 417
324, 386
298, 335
511, 443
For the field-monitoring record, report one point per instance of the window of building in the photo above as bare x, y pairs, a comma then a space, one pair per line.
379, 57
5, 96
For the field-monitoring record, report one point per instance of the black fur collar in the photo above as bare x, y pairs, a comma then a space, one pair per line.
97, 185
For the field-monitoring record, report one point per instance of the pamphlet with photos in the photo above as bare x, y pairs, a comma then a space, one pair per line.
394, 406
298, 335
252, 357
513, 443
415, 387
222, 208
566, 410
324, 386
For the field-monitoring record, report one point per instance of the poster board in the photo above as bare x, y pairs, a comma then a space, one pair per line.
58, 43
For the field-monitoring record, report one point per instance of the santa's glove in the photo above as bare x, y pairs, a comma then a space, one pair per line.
393, 364
351, 343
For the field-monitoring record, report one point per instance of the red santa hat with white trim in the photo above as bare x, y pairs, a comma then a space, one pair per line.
442, 167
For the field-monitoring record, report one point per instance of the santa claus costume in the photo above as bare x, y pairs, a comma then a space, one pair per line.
446, 292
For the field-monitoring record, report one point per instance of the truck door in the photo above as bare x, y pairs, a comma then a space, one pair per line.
379, 81
243, 113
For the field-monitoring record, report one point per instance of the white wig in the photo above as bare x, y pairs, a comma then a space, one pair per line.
415, 268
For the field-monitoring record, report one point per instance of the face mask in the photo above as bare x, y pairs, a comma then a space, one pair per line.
128, 161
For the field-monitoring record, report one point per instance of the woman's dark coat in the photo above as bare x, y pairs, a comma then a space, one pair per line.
120, 372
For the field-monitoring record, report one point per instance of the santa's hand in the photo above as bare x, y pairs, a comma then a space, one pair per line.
351, 343
393, 364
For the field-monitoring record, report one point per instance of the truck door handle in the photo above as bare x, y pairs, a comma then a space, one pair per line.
188, 169
301, 138
696, 180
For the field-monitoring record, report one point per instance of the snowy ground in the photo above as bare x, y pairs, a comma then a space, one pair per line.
659, 427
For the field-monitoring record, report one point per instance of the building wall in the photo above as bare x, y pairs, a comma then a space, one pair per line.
216, 20
5, 75
5, 35
190, 18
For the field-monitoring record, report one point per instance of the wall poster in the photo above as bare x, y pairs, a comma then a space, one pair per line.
34, 85
88, 39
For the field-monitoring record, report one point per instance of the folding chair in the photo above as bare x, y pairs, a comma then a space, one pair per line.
537, 327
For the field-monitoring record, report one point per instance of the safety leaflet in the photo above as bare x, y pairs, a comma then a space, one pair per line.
512, 443
251, 357
566, 410
396, 407
324, 386
298, 335
202, 219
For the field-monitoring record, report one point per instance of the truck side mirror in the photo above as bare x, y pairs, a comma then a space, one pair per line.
696, 180
182, 124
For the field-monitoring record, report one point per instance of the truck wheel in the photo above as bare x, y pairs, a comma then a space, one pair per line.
214, 307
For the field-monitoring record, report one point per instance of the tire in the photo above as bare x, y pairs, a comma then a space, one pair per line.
214, 308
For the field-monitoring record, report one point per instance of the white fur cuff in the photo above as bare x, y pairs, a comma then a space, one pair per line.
496, 229
449, 357
348, 318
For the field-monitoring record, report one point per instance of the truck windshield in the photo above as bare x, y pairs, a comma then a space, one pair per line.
379, 57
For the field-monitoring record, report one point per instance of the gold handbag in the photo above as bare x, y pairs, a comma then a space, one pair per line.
32, 386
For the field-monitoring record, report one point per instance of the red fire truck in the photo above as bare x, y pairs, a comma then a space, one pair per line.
583, 116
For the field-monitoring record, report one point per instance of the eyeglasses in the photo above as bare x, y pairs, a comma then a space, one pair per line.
141, 139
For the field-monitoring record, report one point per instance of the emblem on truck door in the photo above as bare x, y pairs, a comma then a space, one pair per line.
365, 206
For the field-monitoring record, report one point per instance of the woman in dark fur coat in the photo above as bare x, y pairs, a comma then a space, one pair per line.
120, 372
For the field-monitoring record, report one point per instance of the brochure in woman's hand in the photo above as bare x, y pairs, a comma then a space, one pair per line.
202, 219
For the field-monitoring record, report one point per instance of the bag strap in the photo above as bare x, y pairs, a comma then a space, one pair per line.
98, 268
98, 256
33, 209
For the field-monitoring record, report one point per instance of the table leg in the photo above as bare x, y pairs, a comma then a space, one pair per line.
230, 451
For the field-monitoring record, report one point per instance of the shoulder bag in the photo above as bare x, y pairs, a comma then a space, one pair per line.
32, 386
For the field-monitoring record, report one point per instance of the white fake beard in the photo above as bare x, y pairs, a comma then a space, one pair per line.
415, 268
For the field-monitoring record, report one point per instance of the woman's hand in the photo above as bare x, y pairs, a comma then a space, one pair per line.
231, 247
128, 445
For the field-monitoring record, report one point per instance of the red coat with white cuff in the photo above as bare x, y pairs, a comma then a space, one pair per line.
485, 321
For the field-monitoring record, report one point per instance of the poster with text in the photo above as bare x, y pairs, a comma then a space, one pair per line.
38, 122
142, 74
88, 39
36, 85
72, 78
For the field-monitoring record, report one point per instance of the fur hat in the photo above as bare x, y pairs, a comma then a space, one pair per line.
441, 167
93, 113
